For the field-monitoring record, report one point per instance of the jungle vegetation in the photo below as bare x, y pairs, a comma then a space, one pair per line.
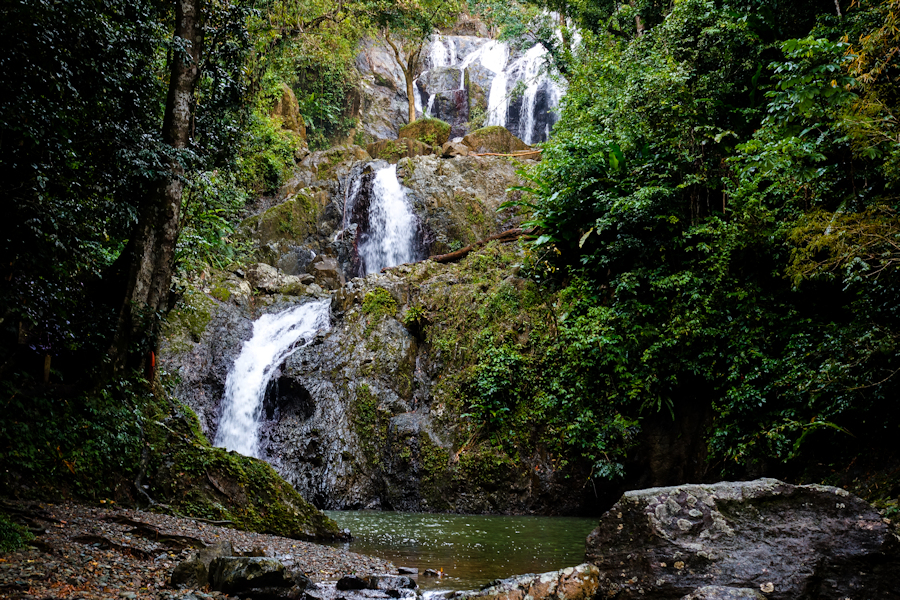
717, 207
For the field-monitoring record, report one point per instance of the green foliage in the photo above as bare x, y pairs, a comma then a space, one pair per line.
688, 168
12, 535
379, 303
212, 204
88, 444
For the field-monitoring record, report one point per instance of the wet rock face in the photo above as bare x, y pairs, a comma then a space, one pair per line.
573, 583
458, 200
729, 540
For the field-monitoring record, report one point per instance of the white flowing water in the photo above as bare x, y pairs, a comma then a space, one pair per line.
495, 56
391, 236
498, 100
275, 337
531, 67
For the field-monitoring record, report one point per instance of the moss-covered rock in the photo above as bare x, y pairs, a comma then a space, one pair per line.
197, 480
432, 132
393, 150
129, 443
495, 139
290, 224
287, 110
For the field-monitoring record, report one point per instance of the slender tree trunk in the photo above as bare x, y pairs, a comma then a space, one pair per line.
151, 248
408, 66
410, 90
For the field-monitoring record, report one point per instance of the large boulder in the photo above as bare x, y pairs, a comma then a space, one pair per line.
255, 577
429, 131
726, 539
194, 572
495, 139
459, 200
573, 583
393, 150
270, 280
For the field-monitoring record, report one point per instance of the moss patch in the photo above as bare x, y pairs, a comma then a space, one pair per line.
394, 150
371, 424
185, 324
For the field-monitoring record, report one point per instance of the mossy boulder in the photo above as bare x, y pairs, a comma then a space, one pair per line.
292, 223
495, 139
287, 110
198, 480
393, 150
428, 131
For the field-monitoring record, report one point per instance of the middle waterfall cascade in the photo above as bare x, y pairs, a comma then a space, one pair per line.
390, 238
275, 337
529, 114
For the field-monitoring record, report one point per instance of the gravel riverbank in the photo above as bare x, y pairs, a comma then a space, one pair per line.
96, 553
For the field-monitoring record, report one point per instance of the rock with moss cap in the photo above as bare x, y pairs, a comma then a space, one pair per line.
393, 150
495, 139
432, 132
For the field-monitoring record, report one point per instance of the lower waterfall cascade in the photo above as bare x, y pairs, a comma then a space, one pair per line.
390, 239
275, 337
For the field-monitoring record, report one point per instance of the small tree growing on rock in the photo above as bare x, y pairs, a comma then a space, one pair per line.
405, 27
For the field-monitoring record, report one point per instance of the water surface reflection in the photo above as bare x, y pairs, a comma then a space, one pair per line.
471, 549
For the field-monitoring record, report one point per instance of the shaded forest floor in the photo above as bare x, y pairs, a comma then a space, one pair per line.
96, 553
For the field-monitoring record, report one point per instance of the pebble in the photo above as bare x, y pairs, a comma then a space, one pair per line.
60, 566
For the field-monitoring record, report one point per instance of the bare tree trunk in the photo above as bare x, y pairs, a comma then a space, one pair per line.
148, 278
410, 90
408, 66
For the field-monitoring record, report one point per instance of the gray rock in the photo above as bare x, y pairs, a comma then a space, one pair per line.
327, 272
788, 542
194, 572
441, 79
390, 582
573, 583
712, 592
407, 570
351, 582
451, 149
234, 574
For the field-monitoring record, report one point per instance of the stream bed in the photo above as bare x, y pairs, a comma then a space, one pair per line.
472, 550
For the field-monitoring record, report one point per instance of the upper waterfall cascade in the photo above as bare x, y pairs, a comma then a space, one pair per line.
390, 238
275, 337
528, 110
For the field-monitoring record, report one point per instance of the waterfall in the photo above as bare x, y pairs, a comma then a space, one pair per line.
531, 66
530, 116
498, 103
390, 238
275, 337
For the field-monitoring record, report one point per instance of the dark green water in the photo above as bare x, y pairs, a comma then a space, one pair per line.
472, 550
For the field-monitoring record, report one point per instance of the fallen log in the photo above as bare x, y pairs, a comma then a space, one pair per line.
507, 236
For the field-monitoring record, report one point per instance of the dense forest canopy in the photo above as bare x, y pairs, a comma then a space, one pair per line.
716, 209
719, 197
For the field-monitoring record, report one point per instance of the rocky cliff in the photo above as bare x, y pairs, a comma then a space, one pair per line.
370, 413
